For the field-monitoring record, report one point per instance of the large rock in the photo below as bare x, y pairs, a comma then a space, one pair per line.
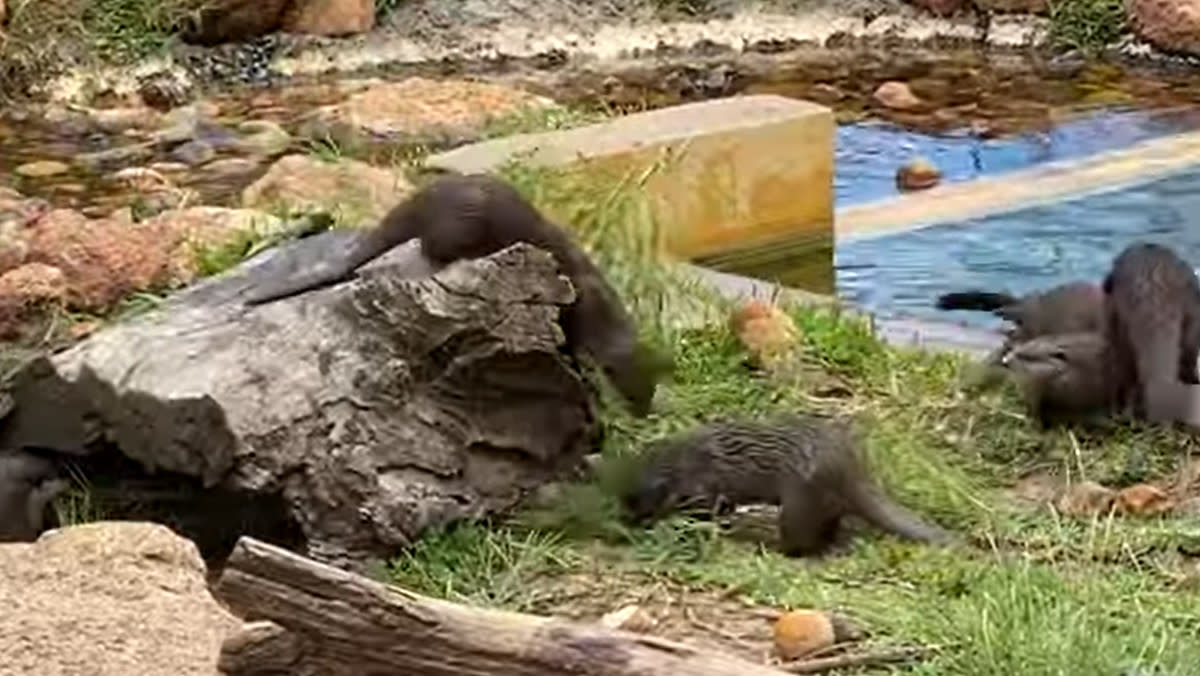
330, 17
106, 259
355, 192
109, 599
1170, 25
376, 408
418, 109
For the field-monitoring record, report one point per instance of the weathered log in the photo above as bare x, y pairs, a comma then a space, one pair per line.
349, 624
377, 408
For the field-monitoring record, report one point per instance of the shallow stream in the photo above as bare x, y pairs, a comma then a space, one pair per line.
976, 122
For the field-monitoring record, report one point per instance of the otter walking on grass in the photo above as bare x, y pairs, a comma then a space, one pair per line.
808, 464
1066, 376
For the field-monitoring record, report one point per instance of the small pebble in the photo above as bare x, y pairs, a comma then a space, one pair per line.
42, 169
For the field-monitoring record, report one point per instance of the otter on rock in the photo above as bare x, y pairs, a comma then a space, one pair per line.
808, 464
28, 483
475, 215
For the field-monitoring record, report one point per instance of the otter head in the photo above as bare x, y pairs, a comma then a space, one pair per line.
651, 495
1057, 355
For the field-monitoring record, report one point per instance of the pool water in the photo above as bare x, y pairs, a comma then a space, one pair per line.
1018, 251
868, 154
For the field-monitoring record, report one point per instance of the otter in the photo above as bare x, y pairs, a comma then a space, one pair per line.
1065, 377
1074, 307
28, 483
1153, 327
809, 464
464, 216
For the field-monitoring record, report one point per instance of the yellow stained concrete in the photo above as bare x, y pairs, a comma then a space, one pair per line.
742, 172
955, 202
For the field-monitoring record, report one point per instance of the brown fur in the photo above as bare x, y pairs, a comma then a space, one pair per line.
1074, 307
27, 485
807, 464
1154, 330
1065, 376
471, 216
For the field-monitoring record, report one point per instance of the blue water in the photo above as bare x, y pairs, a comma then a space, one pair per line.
868, 155
1019, 251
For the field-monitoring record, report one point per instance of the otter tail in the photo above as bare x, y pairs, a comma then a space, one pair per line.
886, 515
986, 301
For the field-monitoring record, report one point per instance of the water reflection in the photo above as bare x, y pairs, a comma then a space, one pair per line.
869, 154
1019, 251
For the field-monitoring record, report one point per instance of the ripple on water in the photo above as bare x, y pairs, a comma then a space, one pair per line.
1019, 251
868, 155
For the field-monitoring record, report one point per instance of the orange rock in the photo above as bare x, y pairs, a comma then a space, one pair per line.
920, 174
897, 95
767, 332
23, 292
330, 17
1088, 497
629, 618
1144, 500
802, 632
418, 108
1170, 25
360, 193
103, 260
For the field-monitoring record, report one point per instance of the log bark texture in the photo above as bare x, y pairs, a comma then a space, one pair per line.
310, 618
378, 407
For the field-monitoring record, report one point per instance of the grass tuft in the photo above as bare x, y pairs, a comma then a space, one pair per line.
47, 37
1086, 26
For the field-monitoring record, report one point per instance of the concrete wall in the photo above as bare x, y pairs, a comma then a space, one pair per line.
747, 178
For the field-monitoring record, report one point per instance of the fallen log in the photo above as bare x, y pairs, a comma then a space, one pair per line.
372, 410
310, 618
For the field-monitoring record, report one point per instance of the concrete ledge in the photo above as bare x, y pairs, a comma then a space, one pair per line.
743, 172
900, 332
956, 202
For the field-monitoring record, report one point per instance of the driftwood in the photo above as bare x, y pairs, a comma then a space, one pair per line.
375, 408
308, 618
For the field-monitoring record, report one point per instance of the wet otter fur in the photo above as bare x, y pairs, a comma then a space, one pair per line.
808, 464
459, 217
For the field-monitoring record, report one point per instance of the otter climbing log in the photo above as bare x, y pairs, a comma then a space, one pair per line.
377, 408
313, 618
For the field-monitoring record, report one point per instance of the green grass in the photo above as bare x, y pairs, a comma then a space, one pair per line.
1029, 591
44, 37
1087, 26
